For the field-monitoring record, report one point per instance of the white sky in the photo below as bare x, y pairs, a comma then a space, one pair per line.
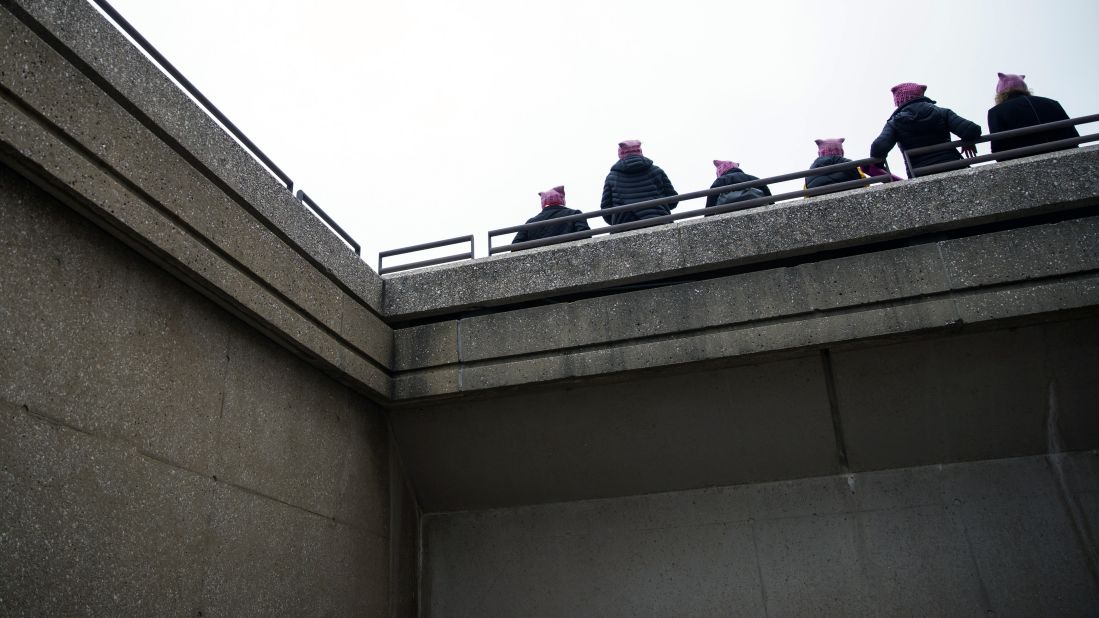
415, 121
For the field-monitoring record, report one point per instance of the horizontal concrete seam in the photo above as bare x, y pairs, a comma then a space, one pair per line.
74, 145
164, 461
702, 524
96, 78
771, 321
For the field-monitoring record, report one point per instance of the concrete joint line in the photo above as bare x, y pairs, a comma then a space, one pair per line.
461, 365
834, 408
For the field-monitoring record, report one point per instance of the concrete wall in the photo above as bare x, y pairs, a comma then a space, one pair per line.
160, 457
1008, 537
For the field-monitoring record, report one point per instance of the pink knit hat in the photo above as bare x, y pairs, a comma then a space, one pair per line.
724, 166
830, 147
903, 93
553, 197
629, 147
1010, 82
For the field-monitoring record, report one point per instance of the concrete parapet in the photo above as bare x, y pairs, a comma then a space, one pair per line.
951, 201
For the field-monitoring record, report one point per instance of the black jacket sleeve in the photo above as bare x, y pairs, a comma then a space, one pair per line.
964, 129
884, 142
711, 200
667, 189
606, 202
994, 127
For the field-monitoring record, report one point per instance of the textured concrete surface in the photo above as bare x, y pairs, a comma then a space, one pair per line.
956, 395
201, 264
160, 183
990, 538
159, 456
950, 201
1007, 274
166, 110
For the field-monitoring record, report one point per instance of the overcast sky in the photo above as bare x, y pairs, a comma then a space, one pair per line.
416, 121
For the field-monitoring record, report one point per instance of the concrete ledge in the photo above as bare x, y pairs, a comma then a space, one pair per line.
83, 145
131, 216
950, 201
157, 102
1020, 272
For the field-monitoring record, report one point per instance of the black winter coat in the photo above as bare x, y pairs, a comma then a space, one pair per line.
635, 179
1021, 110
545, 231
812, 182
732, 177
921, 123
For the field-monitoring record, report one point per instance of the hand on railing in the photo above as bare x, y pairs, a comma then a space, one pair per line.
969, 150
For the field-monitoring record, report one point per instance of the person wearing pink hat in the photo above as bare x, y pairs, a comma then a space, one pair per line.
634, 179
1016, 108
830, 152
918, 122
553, 207
729, 173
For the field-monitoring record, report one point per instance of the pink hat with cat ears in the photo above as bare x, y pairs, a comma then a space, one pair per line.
724, 166
903, 93
830, 147
553, 197
629, 147
1009, 82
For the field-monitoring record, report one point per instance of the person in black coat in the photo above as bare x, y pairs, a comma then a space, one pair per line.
634, 179
1017, 108
729, 173
830, 152
553, 207
918, 122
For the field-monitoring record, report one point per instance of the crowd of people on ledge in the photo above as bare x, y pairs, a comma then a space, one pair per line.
916, 122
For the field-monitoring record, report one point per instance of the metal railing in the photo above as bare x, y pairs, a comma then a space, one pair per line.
217, 114
1003, 154
701, 212
424, 247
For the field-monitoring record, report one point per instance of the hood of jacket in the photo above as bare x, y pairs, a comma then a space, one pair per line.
829, 160
916, 114
633, 164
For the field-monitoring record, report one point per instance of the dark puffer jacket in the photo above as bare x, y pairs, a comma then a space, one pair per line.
921, 123
812, 182
635, 179
1021, 110
545, 231
732, 177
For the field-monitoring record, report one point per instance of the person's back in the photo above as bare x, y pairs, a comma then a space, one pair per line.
1017, 108
830, 152
553, 207
919, 122
634, 179
728, 174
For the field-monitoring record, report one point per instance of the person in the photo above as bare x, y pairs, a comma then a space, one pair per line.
634, 179
830, 152
918, 122
729, 173
553, 207
1016, 108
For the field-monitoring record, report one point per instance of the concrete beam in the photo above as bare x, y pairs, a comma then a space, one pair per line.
970, 280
